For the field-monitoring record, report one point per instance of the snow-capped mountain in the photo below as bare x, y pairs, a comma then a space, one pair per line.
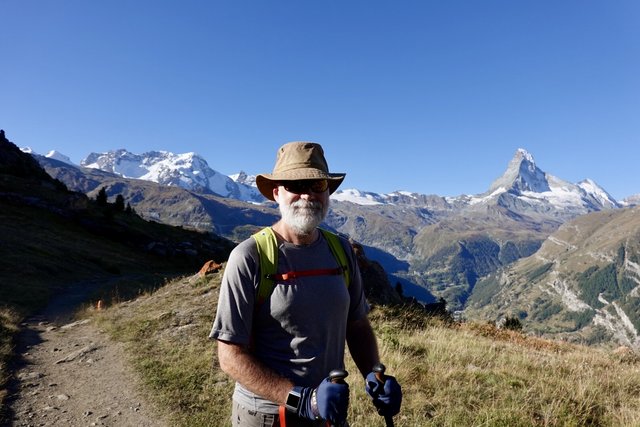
359, 197
522, 175
633, 200
243, 178
523, 184
526, 184
56, 155
598, 193
53, 154
186, 170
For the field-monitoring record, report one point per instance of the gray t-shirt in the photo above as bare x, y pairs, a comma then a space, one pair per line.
300, 331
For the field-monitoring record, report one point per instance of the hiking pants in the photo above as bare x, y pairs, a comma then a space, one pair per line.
243, 417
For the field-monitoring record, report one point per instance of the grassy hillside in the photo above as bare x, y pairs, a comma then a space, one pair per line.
451, 374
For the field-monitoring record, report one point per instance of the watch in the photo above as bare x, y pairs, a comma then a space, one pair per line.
293, 399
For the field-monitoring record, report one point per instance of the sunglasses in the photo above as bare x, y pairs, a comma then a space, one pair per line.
306, 186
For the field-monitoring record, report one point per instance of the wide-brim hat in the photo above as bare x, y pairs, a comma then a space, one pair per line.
295, 161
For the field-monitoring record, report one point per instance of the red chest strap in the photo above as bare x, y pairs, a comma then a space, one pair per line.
306, 273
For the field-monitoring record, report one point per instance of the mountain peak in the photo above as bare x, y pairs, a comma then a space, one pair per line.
523, 154
56, 155
522, 175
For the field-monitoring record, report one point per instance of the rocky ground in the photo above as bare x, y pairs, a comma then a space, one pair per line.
69, 373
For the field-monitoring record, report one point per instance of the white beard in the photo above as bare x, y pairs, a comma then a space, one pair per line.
303, 215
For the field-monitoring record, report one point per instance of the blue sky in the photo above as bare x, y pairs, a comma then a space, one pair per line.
426, 96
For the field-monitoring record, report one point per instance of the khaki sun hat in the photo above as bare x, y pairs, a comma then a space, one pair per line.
295, 161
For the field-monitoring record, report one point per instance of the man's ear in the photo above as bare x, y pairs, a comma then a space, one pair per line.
276, 192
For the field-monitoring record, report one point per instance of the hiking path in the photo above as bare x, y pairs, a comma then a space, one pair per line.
70, 373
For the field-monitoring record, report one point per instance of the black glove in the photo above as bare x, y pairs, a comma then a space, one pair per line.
387, 396
328, 401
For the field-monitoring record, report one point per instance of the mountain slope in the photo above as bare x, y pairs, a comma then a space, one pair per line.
583, 283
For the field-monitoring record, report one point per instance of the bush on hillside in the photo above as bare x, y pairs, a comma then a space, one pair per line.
512, 323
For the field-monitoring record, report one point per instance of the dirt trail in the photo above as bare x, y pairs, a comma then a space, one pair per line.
71, 374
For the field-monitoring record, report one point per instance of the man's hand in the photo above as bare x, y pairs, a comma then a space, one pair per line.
328, 401
386, 394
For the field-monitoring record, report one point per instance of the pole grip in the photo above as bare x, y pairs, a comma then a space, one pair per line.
337, 376
379, 369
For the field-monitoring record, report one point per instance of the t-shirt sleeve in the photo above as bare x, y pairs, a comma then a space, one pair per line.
234, 314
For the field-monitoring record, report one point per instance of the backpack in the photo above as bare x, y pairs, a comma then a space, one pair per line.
268, 253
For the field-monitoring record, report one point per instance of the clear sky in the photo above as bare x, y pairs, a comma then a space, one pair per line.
432, 96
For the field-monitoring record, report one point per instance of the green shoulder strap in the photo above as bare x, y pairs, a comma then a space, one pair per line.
267, 244
268, 253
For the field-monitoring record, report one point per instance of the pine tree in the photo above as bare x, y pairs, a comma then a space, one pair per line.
101, 198
119, 204
399, 290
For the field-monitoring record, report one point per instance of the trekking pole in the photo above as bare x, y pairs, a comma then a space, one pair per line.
337, 376
379, 370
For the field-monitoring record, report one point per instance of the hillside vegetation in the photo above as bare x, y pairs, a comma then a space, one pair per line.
452, 374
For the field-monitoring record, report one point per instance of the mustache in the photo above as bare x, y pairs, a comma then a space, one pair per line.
307, 204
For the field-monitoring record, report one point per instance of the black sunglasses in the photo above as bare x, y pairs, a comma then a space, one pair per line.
306, 186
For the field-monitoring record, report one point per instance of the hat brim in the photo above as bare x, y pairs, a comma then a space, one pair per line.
266, 182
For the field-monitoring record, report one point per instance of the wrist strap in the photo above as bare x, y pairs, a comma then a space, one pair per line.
282, 411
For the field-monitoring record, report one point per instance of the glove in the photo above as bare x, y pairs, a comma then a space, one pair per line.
329, 401
387, 396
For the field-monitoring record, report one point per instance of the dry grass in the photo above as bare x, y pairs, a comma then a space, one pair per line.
451, 374
477, 375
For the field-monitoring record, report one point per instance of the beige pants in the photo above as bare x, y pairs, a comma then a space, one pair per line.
243, 417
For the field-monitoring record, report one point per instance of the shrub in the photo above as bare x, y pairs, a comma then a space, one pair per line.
512, 323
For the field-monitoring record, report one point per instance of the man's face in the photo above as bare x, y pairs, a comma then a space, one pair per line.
303, 204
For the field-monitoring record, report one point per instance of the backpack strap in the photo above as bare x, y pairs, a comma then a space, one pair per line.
267, 244
268, 252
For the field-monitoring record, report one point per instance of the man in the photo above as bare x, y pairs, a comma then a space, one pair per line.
280, 350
